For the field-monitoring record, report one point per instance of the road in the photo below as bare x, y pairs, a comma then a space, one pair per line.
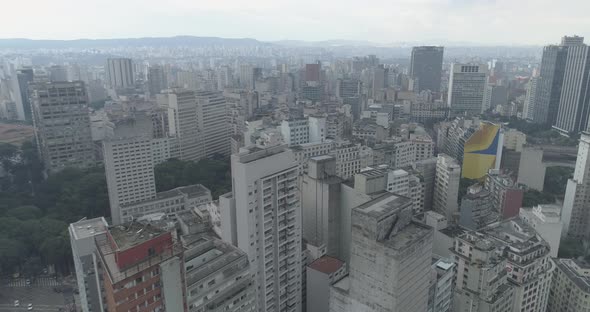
41, 294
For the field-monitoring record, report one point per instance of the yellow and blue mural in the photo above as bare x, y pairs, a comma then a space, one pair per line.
481, 151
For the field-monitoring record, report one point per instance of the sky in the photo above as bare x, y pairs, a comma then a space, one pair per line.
523, 22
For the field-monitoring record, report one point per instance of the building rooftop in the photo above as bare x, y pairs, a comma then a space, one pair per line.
195, 190
88, 227
326, 264
571, 268
132, 234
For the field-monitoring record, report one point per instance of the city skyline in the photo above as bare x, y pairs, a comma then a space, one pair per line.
487, 22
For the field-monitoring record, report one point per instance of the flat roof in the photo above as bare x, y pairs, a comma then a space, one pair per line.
88, 228
326, 264
133, 234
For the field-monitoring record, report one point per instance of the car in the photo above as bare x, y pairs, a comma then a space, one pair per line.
16, 303
30, 307
28, 282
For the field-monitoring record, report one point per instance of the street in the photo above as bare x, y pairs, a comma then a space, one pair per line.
41, 294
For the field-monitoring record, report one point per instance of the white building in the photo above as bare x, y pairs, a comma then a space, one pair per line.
570, 289
318, 130
213, 126
129, 164
120, 73
82, 235
398, 182
514, 139
183, 122
467, 88
262, 217
295, 131
546, 220
576, 220
446, 187
441, 286
351, 158
396, 275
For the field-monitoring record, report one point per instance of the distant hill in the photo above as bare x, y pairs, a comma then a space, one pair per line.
191, 41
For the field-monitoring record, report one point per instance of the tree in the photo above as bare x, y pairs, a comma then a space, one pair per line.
534, 198
24, 212
556, 180
214, 174
12, 252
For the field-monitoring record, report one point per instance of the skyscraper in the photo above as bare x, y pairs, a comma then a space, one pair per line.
446, 187
24, 76
62, 124
120, 73
183, 122
263, 216
390, 260
213, 126
574, 102
467, 87
128, 165
549, 85
575, 214
156, 80
426, 67
528, 110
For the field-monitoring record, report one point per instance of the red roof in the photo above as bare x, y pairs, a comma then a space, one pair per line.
326, 264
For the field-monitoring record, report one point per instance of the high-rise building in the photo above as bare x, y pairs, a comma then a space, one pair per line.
321, 204
62, 124
24, 76
263, 218
156, 80
441, 286
58, 73
141, 267
82, 235
120, 73
446, 187
570, 288
128, 164
183, 122
347, 88
426, 67
212, 121
548, 91
575, 213
529, 268
467, 87
546, 220
477, 209
321, 274
396, 277
478, 259
217, 275
574, 102
530, 101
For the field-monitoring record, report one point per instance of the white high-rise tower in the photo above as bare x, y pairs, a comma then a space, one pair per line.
262, 216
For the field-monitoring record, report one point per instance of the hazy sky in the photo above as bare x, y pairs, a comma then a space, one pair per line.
383, 21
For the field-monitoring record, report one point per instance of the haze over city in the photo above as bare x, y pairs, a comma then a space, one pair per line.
489, 22
295, 156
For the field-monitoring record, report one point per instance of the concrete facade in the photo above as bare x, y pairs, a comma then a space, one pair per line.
321, 207
62, 124
446, 187
546, 220
397, 276
268, 223
570, 290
